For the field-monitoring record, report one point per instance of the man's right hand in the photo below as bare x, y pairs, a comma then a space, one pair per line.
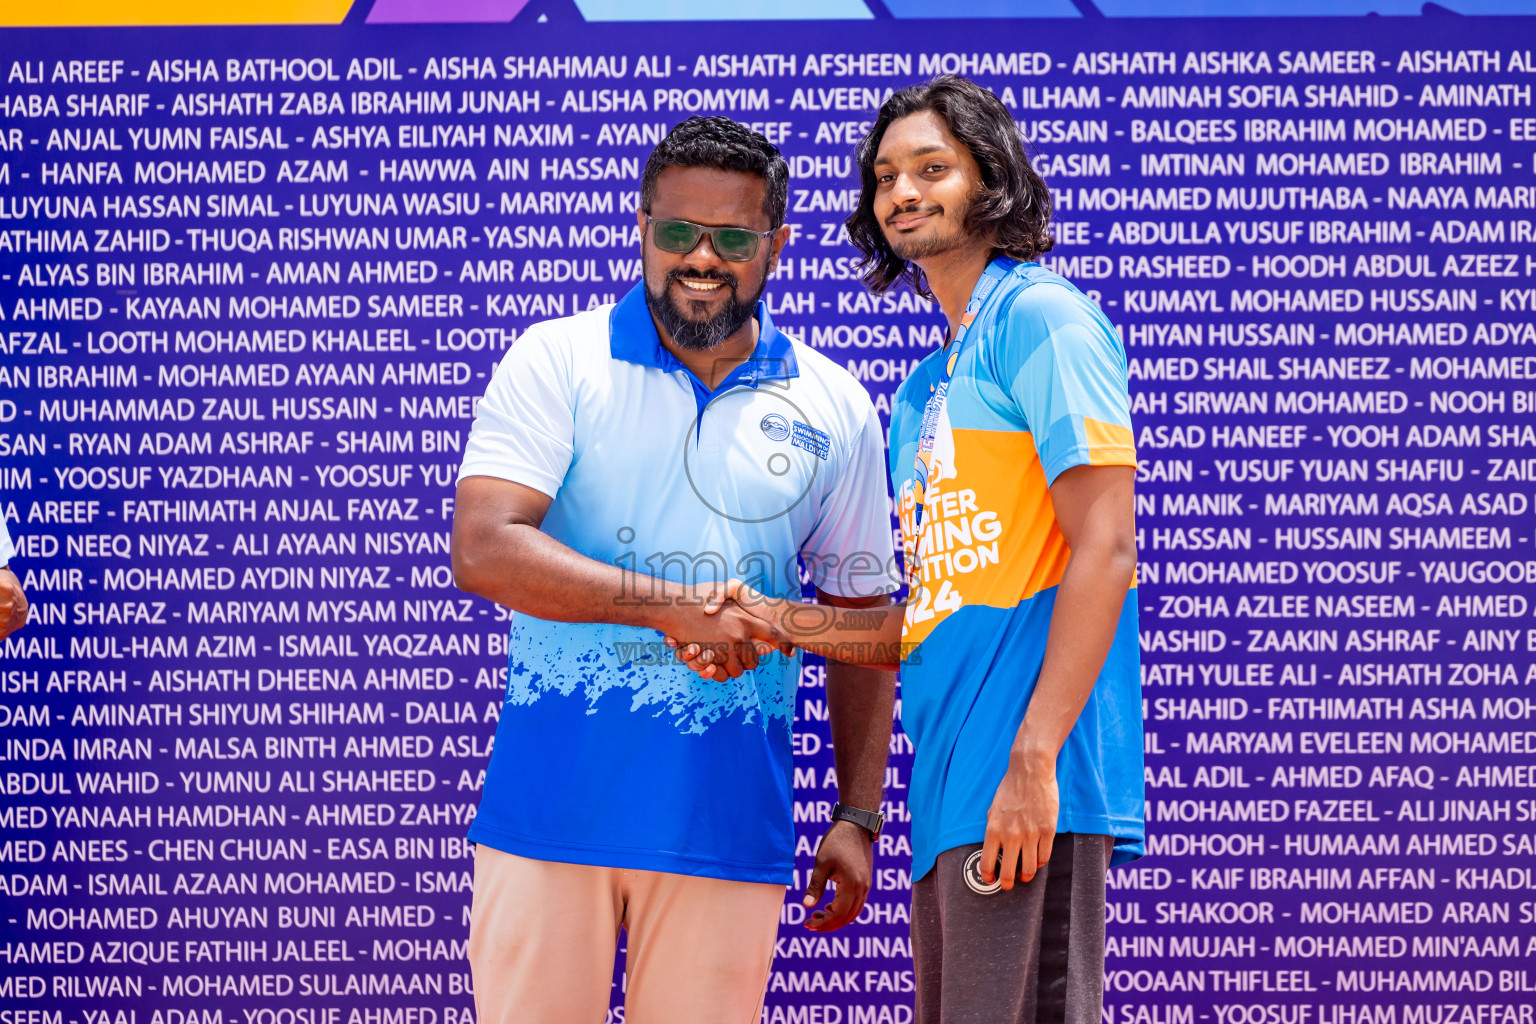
13, 604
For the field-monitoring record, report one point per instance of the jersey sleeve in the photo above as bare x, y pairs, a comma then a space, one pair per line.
1064, 367
524, 428
7, 549
849, 552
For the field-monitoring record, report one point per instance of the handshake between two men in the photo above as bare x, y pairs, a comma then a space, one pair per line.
750, 626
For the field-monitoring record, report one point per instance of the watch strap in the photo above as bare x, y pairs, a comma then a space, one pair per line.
870, 821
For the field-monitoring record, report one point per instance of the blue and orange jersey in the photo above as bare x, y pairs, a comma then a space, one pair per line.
1039, 387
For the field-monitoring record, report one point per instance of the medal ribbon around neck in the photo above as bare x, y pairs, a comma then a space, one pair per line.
913, 548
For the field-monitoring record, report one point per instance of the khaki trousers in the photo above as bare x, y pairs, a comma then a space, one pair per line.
542, 939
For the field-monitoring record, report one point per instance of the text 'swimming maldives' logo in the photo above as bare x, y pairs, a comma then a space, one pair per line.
775, 426
817, 442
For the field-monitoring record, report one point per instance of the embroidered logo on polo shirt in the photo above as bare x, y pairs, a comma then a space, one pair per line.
817, 442
775, 426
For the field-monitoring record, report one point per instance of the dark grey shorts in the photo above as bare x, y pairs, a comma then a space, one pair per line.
1032, 955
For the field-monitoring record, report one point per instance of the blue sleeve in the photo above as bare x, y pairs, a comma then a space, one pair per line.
1061, 362
524, 428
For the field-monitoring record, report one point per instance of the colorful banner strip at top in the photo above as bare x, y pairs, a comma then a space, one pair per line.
442, 11
79, 13
709, 10
63, 13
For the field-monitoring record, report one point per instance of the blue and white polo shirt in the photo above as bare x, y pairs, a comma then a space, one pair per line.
608, 751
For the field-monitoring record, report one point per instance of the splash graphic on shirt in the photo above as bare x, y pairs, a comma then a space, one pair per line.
557, 659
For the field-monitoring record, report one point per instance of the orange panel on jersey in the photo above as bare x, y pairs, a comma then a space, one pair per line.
994, 537
1109, 444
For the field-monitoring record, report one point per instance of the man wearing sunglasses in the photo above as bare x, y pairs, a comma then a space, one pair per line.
623, 461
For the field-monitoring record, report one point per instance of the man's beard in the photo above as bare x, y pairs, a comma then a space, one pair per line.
911, 249
700, 335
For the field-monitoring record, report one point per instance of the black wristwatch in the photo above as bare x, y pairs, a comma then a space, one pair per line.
870, 821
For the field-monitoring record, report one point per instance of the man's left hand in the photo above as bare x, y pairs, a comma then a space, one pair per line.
846, 856
1021, 824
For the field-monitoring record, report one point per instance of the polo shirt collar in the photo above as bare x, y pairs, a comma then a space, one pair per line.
632, 337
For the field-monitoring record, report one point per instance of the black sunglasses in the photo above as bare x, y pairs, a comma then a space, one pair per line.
681, 237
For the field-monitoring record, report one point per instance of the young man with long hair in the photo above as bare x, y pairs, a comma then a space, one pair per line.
1013, 464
